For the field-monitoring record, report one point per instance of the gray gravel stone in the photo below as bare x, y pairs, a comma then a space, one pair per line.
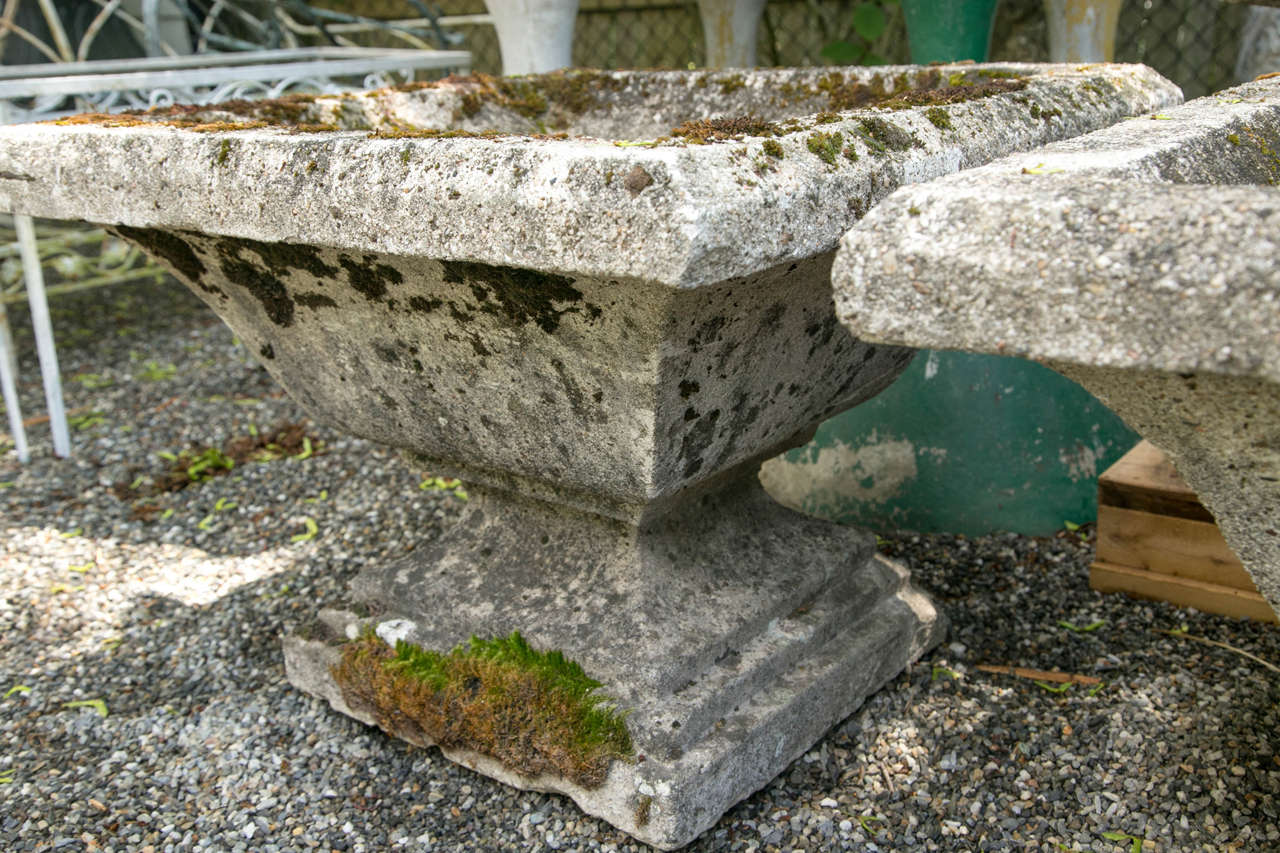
202, 732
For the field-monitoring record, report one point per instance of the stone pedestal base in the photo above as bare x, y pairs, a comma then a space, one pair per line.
734, 632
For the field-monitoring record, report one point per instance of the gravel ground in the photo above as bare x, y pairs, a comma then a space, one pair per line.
172, 621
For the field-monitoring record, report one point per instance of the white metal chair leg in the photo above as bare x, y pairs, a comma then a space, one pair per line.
34, 277
9, 386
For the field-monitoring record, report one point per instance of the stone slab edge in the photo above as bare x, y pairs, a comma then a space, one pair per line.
1105, 250
708, 213
723, 770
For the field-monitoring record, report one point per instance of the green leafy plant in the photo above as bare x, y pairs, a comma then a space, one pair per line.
92, 381
444, 484
202, 466
312, 530
153, 371
1081, 629
96, 704
1135, 841
867, 24
1071, 526
866, 822
1053, 688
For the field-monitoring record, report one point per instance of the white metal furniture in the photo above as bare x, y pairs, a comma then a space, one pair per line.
50, 91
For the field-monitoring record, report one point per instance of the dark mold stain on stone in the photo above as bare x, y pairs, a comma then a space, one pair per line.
707, 333
169, 246
267, 351
519, 295
586, 412
772, 318
696, 440
424, 304
280, 258
688, 388
820, 334
637, 180
312, 299
370, 278
261, 284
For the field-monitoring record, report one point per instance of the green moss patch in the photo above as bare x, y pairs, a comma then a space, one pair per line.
199, 464
826, 146
555, 97
534, 711
904, 91
721, 129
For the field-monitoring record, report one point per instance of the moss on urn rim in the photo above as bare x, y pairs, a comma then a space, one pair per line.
551, 100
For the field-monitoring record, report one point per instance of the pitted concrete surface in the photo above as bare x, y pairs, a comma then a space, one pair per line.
569, 206
1140, 261
664, 311
617, 326
733, 637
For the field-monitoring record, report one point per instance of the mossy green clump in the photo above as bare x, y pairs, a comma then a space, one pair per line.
703, 130
556, 96
773, 148
534, 711
732, 83
1234, 139
826, 146
224, 150
944, 95
940, 118
881, 137
998, 74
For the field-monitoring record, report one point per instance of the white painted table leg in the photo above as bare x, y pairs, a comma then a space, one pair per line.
48, 353
9, 385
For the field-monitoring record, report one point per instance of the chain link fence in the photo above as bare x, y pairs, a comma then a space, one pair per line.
1195, 43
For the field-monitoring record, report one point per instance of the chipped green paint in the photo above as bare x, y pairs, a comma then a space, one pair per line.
960, 443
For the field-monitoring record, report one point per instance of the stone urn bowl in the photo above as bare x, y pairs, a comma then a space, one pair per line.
601, 300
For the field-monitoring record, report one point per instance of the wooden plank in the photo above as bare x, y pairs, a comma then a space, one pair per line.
1184, 592
1144, 479
1171, 546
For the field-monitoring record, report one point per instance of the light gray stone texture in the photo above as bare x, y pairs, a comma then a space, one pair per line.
734, 636
603, 335
1140, 261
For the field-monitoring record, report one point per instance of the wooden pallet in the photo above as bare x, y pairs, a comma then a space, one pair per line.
1156, 540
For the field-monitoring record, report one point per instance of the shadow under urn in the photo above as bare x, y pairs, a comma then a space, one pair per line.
601, 300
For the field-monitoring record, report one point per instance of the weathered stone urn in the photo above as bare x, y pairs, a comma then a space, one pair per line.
1142, 261
601, 300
